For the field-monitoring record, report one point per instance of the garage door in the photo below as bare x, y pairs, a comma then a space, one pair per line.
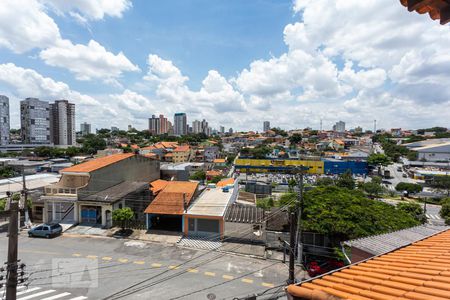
204, 227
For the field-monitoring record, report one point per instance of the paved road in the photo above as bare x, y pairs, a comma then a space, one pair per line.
94, 268
432, 212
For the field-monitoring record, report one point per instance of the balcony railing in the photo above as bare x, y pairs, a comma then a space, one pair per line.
56, 190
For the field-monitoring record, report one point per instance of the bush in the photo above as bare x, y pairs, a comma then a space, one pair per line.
324, 181
199, 175
445, 210
413, 209
265, 203
123, 215
411, 188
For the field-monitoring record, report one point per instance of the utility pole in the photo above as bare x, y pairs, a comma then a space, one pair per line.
293, 220
11, 279
300, 216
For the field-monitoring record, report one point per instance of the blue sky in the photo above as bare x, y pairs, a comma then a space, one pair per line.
234, 62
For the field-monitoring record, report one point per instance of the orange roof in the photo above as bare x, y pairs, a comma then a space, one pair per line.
219, 160
418, 271
123, 145
170, 200
97, 163
225, 182
170, 154
213, 173
183, 148
134, 146
158, 185
150, 155
151, 147
437, 9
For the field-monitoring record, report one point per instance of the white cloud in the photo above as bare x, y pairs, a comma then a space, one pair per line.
137, 105
24, 26
91, 61
29, 83
89, 9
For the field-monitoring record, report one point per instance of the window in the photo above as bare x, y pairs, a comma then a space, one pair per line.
39, 228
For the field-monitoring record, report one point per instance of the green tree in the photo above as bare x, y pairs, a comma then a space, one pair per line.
216, 179
445, 210
372, 188
411, 188
289, 200
265, 203
6, 172
324, 181
348, 214
199, 175
291, 184
378, 160
442, 184
413, 209
93, 143
296, 138
122, 215
346, 181
2, 204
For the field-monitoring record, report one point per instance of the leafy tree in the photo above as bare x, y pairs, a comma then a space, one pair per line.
349, 214
122, 215
296, 138
378, 159
279, 131
6, 172
445, 210
411, 188
2, 204
93, 143
346, 181
325, 181
289, 200
373, 188
199, 175
265, 203
291, 184
230, 159
441, 183
413, 209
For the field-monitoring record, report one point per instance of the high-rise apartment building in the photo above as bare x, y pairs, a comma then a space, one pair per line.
158, 125
196, 127
180, 124
266, 126
35, 121
339, 126
205, 127
62, 123
85, 128
222, 129
4, 120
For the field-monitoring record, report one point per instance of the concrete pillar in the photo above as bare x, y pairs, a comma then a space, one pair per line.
103, 210
76, 213
53, 211
45, 212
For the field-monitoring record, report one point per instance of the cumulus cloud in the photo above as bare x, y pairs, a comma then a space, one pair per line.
24, 25
137, 105
29, 83
91, 61
89, 9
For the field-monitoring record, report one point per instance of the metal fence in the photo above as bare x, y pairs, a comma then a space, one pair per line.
133, 224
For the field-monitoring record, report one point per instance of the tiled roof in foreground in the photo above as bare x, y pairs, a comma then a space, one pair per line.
420, 271
437, 9
97, 163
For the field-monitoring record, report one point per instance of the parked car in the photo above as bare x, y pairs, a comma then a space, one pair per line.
404, 175
46, 230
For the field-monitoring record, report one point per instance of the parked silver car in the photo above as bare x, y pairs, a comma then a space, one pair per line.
46, 230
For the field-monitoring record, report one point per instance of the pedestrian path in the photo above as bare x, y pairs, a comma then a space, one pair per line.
200, 243
41, 293
433, 217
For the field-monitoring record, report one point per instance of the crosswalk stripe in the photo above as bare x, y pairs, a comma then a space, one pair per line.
210, 274
156, 265
267, 284
246, 280
28, 291
36, 295
78, 298
139, 262
228, 277
20, 287
57, 296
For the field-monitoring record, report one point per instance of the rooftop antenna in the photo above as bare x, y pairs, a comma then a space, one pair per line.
374, 126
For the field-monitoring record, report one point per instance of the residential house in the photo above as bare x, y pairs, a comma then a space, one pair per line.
90, 191
182, 154
213, 173
220, 163
211, 153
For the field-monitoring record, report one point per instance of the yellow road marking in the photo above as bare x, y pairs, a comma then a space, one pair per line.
106, 258
267, 284
156, 265
91, 256
139, 262
123, 260
210, 274
246, 280
193, 270
174, 267
228, 277
76, 254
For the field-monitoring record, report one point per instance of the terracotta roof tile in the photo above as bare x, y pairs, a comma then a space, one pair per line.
170, 200
183, 148
97, 163
419, 271
437, 9
219, 160
225, 182
158, 185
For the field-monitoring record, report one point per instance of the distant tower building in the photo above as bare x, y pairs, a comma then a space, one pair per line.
163, 125
339, 126
266, 126
114, 129
85, 129
180, 124
4, 120
230, 131
358, 129
222, 129
62, 123
153, 125
205, 127
35, 121
196, 127
130, 127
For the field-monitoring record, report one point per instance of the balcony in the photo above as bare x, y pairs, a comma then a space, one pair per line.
55, 190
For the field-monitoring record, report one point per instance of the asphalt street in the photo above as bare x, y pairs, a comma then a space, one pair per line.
103, 268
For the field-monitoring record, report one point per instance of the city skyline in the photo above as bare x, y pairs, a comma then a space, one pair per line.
233, 71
